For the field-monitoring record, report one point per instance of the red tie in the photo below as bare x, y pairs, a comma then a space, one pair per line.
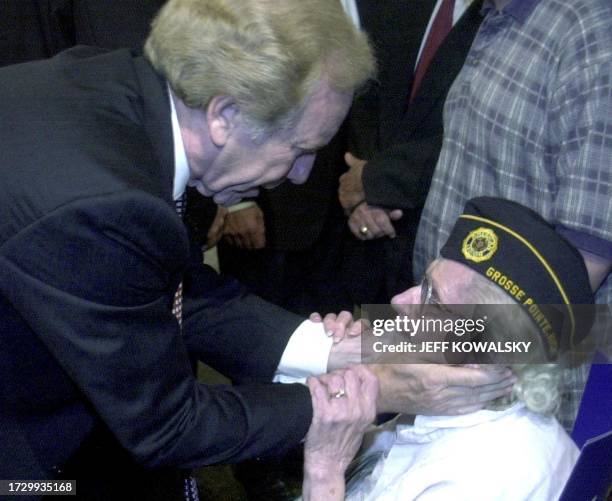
441, 27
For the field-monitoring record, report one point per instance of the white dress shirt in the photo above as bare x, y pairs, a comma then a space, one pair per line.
509, 455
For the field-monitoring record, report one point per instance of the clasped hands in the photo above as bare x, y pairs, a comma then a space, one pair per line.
417, 387
365, 221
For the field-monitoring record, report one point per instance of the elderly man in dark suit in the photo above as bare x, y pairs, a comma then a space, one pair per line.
97, 148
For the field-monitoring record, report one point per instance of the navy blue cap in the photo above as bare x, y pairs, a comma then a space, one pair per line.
516, 249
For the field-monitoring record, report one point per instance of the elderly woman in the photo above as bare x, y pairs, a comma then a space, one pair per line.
499, 253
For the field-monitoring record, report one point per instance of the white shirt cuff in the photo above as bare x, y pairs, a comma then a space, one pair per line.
306, 354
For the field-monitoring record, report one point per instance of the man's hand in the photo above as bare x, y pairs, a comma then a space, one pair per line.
438, 389
245, 228
377, 221
339, 326
216, 229
351, 191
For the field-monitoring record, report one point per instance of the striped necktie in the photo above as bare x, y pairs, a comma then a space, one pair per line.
177, 305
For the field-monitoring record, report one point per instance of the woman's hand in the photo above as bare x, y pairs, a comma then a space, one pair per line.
344, 404
339, 326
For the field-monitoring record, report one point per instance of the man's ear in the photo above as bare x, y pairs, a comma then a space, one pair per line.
221, 116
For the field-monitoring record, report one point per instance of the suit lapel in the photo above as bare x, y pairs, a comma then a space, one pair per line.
445, 66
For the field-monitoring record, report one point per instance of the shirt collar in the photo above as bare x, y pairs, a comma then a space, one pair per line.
181, 167
426, 428
518, 9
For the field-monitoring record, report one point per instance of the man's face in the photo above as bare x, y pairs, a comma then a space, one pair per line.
241, 165
447, 280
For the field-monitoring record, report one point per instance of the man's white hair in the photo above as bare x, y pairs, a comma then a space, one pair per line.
267, 55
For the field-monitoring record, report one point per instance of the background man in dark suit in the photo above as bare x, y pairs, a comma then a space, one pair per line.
395, 135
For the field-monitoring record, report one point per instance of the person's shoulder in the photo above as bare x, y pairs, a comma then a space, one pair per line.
505, 455
584, 26
539, 440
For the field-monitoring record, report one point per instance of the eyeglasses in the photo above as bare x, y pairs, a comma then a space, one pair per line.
428, 294
429, 297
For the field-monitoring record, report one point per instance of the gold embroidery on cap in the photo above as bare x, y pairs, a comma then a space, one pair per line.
480, 245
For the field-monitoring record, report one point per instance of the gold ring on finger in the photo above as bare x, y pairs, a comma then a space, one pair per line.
338, 394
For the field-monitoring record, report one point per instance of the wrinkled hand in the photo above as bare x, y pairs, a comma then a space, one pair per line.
378, 222
432, 389
339, 326
350, 191
245, 228
337, 428
216, 229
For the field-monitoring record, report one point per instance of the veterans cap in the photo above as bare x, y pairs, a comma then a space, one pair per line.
516, 249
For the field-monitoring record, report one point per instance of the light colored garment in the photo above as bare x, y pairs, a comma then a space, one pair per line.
528, 119
511, 455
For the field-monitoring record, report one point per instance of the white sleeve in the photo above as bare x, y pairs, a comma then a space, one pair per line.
306, 354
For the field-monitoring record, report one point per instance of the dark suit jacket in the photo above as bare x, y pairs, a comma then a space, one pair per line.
401, 142
91, 253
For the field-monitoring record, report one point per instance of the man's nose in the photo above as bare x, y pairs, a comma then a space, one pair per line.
301, 168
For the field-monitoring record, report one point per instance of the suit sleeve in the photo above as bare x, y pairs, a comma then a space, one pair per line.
95, 280
239, 334
399, 177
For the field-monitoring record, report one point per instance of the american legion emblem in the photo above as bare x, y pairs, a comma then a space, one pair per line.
480, 245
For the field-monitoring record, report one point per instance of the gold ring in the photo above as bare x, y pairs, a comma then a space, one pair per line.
364, 230
337, 394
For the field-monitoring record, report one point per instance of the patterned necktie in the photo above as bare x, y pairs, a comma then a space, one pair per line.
177, 304
440, 28
190, 487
